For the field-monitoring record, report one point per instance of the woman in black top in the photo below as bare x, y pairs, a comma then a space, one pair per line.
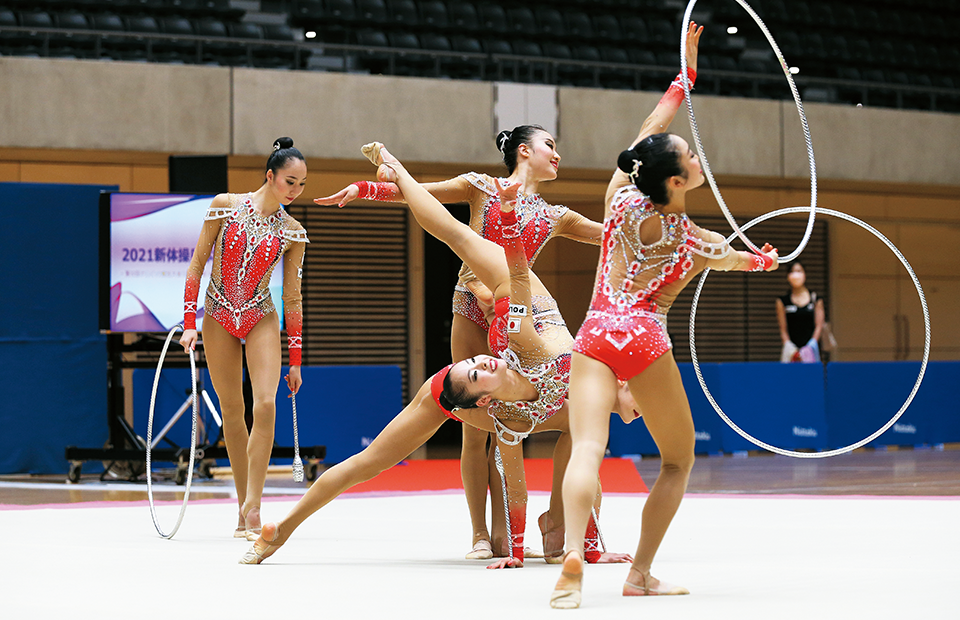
800, 314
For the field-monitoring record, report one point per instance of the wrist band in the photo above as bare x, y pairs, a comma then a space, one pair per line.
370, 190
510, 226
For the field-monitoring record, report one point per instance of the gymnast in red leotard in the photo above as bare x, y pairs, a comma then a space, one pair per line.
530, 155
248, 234
650, 251
521, 391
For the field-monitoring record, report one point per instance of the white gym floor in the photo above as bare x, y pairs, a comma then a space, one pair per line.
401, 556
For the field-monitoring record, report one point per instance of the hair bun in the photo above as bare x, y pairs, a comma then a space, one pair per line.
282, 143
502, 138
629, 162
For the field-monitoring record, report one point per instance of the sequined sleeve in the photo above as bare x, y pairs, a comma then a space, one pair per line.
721, 257
713, 247
208, 237
521, 329
293, 300
515, 507
482, 182
575, 226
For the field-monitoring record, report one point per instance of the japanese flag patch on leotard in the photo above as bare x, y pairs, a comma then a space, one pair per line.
517, 312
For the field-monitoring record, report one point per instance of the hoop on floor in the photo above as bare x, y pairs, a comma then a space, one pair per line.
923, 365
193, 435
703, 157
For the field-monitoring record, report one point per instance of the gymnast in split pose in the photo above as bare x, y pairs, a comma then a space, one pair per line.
522, 391
650, 251
530, 156
248, 233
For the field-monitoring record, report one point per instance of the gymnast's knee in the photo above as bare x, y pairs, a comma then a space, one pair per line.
681, 465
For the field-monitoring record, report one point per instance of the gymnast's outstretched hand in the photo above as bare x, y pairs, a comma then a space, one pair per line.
347, 194
507, 194
609, 557
693, 44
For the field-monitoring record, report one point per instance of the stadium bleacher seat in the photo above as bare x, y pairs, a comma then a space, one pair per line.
910, 43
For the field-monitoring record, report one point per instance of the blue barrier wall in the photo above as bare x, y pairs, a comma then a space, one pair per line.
811, 407
54, 382
340, 407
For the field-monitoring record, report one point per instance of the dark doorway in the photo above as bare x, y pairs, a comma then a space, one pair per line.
440, 270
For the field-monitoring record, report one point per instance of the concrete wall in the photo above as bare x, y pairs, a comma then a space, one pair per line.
68, 121
69, 104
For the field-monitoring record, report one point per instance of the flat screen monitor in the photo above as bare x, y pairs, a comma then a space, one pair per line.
146, 244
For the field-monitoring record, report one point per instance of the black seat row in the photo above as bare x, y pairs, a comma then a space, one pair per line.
901, 19
100, 35
220, 9
454, 17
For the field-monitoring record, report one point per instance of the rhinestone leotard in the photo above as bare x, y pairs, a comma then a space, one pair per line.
539, 222
246, 250
626, 325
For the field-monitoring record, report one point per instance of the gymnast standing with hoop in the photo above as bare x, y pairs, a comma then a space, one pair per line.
248, 234
650, 251
530, 156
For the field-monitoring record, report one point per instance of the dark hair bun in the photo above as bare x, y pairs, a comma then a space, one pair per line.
502, 138
282, 143
627, 162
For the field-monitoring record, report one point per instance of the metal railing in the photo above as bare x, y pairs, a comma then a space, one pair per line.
233, 51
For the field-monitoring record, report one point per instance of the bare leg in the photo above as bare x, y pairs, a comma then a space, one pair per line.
551, 522
484, 257
263, 363
224, 355
404, 434
593, 394
467, 340
666, 412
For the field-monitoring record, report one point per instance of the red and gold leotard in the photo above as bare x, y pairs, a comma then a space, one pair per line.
626, 326
539, 222
247, 248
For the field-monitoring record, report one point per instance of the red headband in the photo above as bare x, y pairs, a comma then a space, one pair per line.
436, 387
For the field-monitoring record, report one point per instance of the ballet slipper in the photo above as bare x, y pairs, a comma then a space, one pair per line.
372, 152
550, 555
661, 589
482, 550
565, 598
263, 548
251, 523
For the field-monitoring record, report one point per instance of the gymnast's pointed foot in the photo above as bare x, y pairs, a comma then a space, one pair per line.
643, 584
265, 546
552, 538
372, 152
566, 594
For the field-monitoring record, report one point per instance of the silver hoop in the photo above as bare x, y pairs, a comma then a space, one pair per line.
193, 435
923, 365
703, 157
